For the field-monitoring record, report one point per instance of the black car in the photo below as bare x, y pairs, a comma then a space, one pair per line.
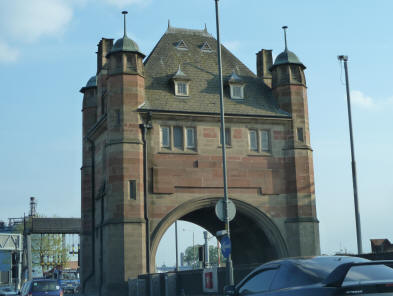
321, 276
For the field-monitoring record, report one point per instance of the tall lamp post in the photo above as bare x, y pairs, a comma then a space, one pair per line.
354, 180
193, 245
223, 144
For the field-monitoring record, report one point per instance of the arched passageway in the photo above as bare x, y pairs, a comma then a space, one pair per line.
255, 237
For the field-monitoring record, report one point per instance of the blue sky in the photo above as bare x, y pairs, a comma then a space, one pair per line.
47, 53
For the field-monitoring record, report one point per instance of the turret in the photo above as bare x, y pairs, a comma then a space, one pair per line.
123, 91
89, 105
125, 56
287, 68
290, 91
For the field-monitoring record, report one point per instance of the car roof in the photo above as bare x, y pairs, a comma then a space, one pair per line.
44, 280
323, 261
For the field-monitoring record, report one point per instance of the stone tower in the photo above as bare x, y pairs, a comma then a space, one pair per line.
113, 136
290, 90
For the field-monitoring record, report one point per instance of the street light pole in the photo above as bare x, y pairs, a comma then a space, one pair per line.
354, 180
177, 249
223, 144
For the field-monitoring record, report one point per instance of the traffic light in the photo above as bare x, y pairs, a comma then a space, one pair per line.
79, 255
201, 253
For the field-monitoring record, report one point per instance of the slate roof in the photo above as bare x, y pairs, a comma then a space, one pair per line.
201, 67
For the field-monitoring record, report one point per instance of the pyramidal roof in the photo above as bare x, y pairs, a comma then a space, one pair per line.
202, 69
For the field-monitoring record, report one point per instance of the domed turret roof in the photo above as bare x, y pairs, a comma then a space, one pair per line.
125, 44
287, 57
92, 82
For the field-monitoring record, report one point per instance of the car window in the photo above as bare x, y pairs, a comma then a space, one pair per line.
260, 282
293, 275
25, 288
45, 286
369, 273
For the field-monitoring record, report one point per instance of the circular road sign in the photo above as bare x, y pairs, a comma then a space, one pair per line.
220, 210
226, 246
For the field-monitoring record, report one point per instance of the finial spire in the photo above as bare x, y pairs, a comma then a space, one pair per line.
205, 28
124, 13
169, 23
285, 36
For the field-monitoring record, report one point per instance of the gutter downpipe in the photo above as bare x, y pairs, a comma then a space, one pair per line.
101, 246
144, 127
93, 148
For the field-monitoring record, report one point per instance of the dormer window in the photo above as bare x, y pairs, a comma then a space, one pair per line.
181, 88
181, 84
206, 47
236, 91
236, 86
181, 45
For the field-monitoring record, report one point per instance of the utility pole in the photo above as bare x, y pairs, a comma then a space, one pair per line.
177, 249
354, 180
206, 246
223, 145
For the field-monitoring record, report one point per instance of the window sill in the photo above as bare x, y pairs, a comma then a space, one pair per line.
260, 154
182, 96
226, 146
182, 152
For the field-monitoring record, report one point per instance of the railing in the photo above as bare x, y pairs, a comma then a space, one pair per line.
189, 282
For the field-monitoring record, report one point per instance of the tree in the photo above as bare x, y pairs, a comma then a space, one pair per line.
214, 252
47, 250
191, 255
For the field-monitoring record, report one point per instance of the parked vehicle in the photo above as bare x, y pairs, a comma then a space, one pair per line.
41, 287
69, 280
7, 291
322, 276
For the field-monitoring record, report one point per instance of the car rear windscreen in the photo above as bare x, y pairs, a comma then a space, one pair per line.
369, 273
45, 286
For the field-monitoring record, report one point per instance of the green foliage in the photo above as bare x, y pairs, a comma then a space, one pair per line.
47, 250
191, 256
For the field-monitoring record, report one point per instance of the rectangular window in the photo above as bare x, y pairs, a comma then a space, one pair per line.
236, 91
265, 140
165, 136
190, 133
132, 189
181, 89
300, 135
253, 140
227, 136
178, 137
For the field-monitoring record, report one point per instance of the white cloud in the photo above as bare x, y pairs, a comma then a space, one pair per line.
123, 3
27, 21
8, 54
232, 45
361, 100
24, 21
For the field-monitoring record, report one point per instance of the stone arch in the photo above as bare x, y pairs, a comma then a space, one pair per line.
262, 230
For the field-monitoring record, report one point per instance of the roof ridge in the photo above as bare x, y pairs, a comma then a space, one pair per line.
174, 30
